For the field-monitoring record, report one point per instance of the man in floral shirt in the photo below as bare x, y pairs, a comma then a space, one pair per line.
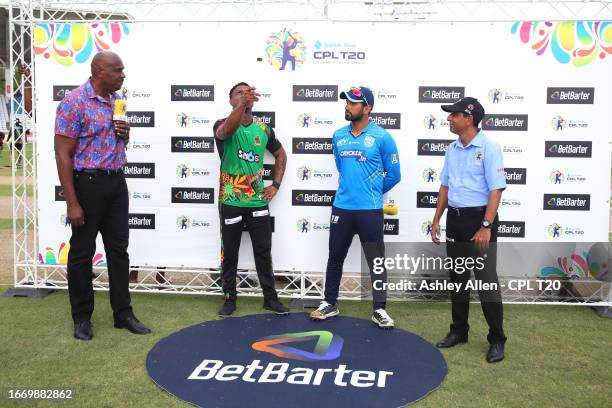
90, 155
242, 141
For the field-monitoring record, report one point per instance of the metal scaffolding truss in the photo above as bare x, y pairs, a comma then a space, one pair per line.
23, 15
313, 10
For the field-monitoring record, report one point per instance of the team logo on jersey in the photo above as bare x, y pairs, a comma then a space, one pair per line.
478, 156
369, 141
257, 141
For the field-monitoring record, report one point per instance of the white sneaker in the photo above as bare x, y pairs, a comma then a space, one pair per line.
382, 319
324, 311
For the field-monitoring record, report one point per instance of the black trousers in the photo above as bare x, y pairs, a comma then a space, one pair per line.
258, 223
105, 201
368, 224
459, 230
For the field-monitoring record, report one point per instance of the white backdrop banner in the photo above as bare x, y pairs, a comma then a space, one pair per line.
546, 89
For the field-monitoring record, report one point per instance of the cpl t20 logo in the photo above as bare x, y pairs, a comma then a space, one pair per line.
555, 230
556, 177
430, 122
558, 123
426, 228
495, 95
304, 120
183, 119
183, 171
328, 346
64, 221
124, 93
285, 49
304, 173
429, 175
303, 225
183, 222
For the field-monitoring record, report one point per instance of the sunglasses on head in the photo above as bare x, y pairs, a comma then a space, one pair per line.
356, 92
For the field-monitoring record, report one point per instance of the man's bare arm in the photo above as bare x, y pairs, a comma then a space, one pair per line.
64, 150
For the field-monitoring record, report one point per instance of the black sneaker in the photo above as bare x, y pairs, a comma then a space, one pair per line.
229, 306
276, 307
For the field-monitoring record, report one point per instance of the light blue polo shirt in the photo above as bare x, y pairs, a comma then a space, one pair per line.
471, 172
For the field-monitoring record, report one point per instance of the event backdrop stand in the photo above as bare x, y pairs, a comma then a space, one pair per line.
30, 272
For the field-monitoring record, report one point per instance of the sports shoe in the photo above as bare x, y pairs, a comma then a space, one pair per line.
229, 306
324, 311
382, 319
276, 306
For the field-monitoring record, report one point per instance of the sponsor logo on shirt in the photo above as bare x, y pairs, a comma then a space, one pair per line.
249, 156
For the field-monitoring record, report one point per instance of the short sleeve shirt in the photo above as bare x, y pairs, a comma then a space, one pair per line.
368, 166
242, 158
472, 171
88, 118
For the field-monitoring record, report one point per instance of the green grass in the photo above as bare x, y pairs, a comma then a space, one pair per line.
5, 159
556, 356
6, 190
6, 223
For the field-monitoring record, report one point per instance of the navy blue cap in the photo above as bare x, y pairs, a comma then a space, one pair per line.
467, 105
359, 94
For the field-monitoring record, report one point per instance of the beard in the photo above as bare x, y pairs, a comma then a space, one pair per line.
353, 118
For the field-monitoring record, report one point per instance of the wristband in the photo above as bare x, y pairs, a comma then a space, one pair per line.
276, 184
